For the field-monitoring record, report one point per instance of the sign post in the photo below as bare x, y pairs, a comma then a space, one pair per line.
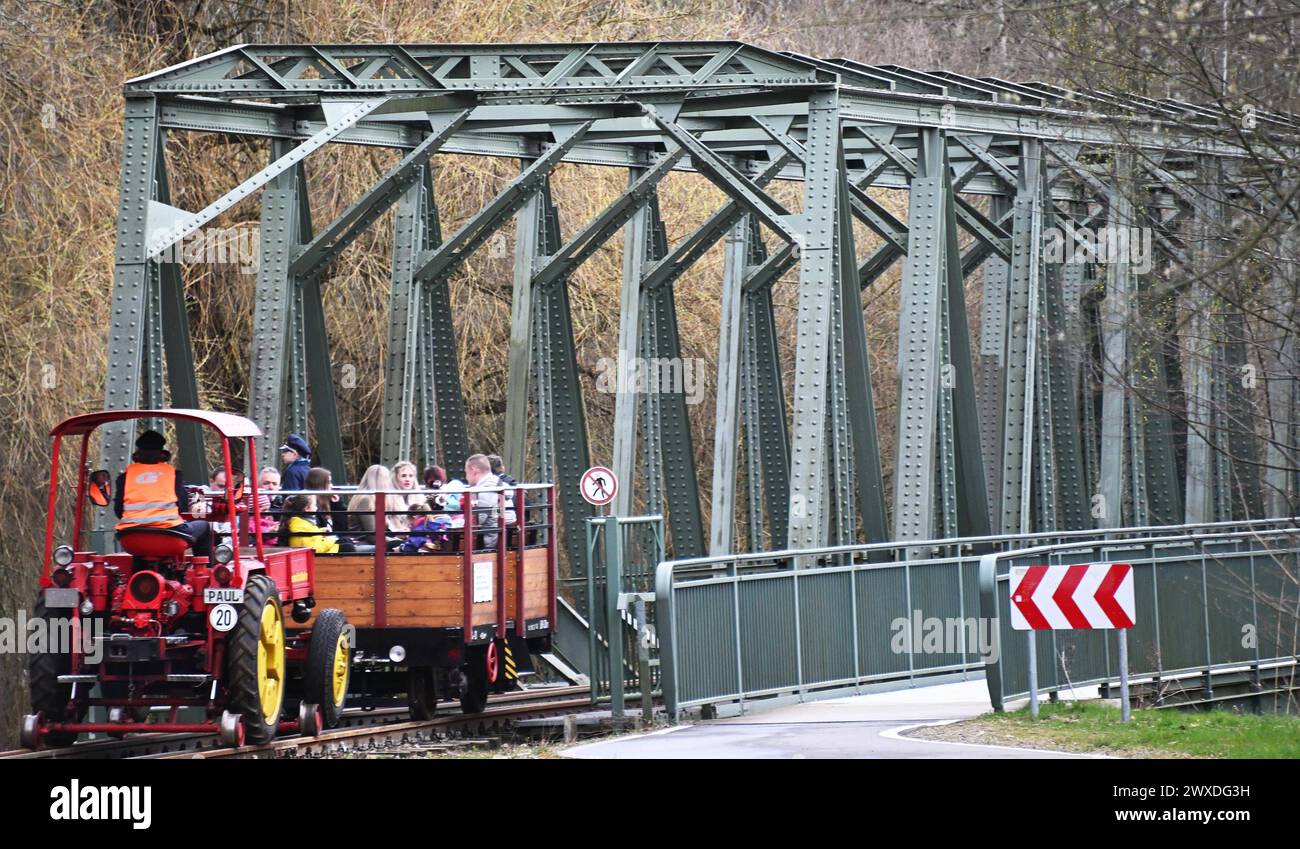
1083, 596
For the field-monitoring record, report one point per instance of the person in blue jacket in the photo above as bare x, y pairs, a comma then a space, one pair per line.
295, 454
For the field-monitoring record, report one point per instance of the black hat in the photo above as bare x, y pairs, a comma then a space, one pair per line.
296, 443
150, 440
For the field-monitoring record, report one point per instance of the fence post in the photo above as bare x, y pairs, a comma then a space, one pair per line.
613, 619
643, 662
667, 643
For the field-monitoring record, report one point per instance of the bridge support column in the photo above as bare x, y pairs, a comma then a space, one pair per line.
561, 425
669, 452
276, 294
810, 464
1116, 317
938, 477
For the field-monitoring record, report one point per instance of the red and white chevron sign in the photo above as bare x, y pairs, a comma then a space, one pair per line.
1055, 598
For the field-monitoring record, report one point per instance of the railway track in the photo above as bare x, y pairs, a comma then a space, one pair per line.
359, 729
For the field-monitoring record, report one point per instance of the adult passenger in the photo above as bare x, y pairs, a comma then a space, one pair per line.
296, 457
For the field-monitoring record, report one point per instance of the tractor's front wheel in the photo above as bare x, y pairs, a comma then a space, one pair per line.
255, 665
50, 698
329, 665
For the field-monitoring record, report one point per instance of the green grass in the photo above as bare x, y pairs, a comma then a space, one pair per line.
1090, 727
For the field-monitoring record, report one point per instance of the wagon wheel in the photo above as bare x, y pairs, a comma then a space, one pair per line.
474, 692
422, 692
329, 665
255, 665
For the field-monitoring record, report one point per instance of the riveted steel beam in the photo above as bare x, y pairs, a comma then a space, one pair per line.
809, 463
183, 224
728, 179
1020, 363
695, 245
1115, 350
938, 478
131, 270
669, 449
992, 359
273, 310
344, 230
530, 243
852, 375
918, 363
726, 427
406, 318
626, 401
562, 451
440, 261
590, 239
182, 381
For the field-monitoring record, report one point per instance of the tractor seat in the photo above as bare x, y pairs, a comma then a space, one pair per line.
154, 543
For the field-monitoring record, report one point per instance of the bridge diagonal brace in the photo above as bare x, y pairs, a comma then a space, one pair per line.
731, 181
690, 249
578, 249
501, 208
1103, 192
991, 162
183, 224
865, 207
345, 229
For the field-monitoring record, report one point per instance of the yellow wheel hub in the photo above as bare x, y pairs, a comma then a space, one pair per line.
341, 663
270, 661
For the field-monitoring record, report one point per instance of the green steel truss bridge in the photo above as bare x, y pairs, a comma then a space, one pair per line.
1008, 441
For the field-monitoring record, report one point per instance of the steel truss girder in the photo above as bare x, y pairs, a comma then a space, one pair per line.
1116, 317
274, 310
767, 438
182, 381
1023, 284
182, 224
730, 180
479, 228
590, 239
559, 415
809, 466
352, 222
667, 269
141, 147
669, 450
298, 70
938, 457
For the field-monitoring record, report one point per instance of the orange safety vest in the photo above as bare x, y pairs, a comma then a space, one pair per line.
149, 497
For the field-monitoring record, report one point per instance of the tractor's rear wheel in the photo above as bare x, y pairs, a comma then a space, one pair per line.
255, 665
49, 697
422, 692
329, 665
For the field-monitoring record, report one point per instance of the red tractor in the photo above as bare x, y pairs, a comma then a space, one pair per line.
155, 625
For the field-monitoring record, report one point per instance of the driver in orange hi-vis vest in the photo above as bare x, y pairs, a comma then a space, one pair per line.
150, 494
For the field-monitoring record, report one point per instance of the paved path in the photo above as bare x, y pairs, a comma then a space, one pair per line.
852, 727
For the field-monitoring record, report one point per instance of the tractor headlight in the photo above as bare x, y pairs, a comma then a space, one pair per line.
64, 555
397, 654
223, 554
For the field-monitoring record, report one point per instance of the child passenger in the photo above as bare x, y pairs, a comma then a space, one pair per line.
302, 532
